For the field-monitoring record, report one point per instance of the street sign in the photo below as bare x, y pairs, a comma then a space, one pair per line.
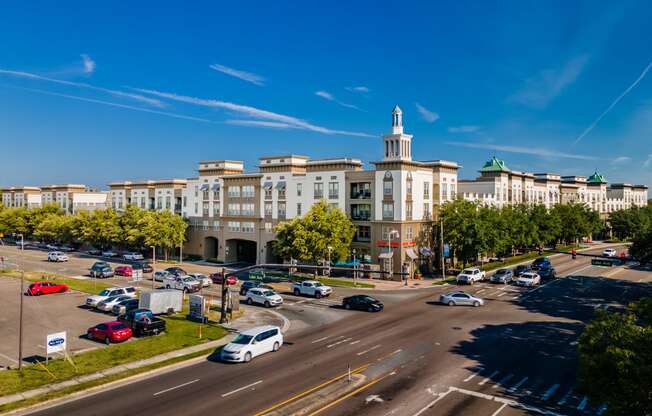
55, 342
602, 262
137, 274
197, 306
447, 250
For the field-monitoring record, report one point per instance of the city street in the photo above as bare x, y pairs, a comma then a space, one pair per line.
516, 355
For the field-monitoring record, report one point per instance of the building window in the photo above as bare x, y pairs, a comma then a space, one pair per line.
247, 227
281, 193
196, 208
268, 193
234, 226
281, 209
268, 209
268, 227
426, 190
299, 209
333, 190
388, 185
234, 192
408, 210
205, 209
299, 189
216, 209
205, 194
361, 190
319, 190
362, 233
408, 186
216, 225
196, 191
233, 209
216, 195
185, 202
159, 203
248, 209
205, 225
388, 210
168, 202
426, 211
361, 212
408, 232
248, 191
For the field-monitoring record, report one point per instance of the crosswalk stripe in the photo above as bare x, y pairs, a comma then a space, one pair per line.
583, 403
517, 385
550, 391
492, 375
502, 294
481, 290
339, 342
503, 380
473, 375
565, 398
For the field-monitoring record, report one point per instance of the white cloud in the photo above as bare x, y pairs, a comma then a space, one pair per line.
549, 83
535, 151
127, 107
361, 89
261, 123
243, 75
145, 100
463, 129
89, 64
330, 97
252, 112
427, 115
648, 161
620, 160
613, 103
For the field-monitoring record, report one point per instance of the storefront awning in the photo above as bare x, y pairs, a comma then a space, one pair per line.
385, 255
280, 186
267, 185
425, 251
411, 254
204, 187
216, 186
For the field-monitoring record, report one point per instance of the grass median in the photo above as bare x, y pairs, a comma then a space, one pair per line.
89, 285
180, 333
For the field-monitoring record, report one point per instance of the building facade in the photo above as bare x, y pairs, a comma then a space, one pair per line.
71, 198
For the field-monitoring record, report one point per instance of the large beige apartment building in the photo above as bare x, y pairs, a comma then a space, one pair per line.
71, 198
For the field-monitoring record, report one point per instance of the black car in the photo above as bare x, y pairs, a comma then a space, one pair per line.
143, 265
250, 284
520, 269
547, 272
176, 271
362, 303
94, 252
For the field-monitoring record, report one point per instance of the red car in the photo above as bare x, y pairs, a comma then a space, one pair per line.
126, 271
218, 277
45, 288
109, 332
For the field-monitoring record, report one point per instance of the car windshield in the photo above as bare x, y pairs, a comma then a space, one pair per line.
318, 284
269, 293
111, 299
242, 339
118, 326
369, 299
105, 292
502, 271
467, 271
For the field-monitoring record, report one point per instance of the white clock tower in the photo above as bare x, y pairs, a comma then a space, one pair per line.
398, 145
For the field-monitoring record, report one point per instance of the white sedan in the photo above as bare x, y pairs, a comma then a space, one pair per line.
109, 253
108, 304
265, 297
609, 252
57, 256
161, 275
528, 279
202, 278
132, 256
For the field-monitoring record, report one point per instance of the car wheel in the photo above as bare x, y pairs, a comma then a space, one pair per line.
62, 290
39, 293
476, 303
347, 306
267, 304
370, 309
107, 340
451, 303
247, 357
318, 295
167, 286
296, 292
276, 346
250, 301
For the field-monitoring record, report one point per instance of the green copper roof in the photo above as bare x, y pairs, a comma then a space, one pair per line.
596, 178
494, 165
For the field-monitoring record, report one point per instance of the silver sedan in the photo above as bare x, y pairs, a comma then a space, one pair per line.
460, 298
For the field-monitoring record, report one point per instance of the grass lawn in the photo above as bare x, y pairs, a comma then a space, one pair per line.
180, 333
509, 261
91, 286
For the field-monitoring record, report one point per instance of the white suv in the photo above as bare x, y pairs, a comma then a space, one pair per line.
252, 343
57, 256
265, 297
131, 256
528, 279
92, 301
609, 252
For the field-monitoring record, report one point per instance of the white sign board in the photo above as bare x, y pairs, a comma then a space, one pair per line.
137, 274
197, 305
55, 342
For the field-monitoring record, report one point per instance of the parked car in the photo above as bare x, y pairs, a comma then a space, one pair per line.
547, 273
143, 322
67, 249
109, 332
52, 247
124, 306
265, 297
520, 269
609, 252
252, 343
541, 262
109, 253
528, 279
204, 280
177, 271
218, 278
132, 256
362, 303
107, 304
460, 298
126, 271
470, 276
502, 276
94, 252
250, 284
311, 288
185, 283
143, 265
102, 272
57, 256
161, 275
93, 300
45, 288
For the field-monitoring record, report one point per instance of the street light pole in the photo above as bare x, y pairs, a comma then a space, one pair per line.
391, 251
443, 261
330, 248
153, 265
20, 318
355, 269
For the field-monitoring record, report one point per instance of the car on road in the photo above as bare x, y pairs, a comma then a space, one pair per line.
57, 256
52, 247
107, 304
502, 276
265, 297
126, 271
45, 288
143, 265
540, 263
520, 269
143, 322
470, 276
67, 249
93, 300
177, 271
311, 288
252, 343
109, 332
528, 279
94, 252
362, 303
547, 273
218, 278
161, 275
124, 306
460, 298
609, 252
202, 278
109, 253
250, 284
185, 283
132, 256
102, 272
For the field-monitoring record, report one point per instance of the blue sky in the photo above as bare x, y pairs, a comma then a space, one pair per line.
91, 94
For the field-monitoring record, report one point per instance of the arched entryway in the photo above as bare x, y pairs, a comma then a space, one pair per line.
210, 247
240, 251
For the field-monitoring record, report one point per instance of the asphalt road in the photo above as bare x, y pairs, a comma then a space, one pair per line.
516, 353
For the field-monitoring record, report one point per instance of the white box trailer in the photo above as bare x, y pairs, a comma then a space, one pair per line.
161, 301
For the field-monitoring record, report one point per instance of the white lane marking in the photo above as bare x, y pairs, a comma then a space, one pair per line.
502, 294
242, 388
175, 387
517, 385
509, 402
483, 382
550, 392
480, 291
339, 342
473, 375
499, 409
354, 342
580, 270
432, 403
370, 349
494, 293
503, 381
583, 403
8, 358
319, 340
565, 398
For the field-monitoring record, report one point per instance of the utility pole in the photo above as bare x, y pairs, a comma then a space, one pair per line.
443, 261
181, 249
224, 292
20, 318
153, 265
355, 269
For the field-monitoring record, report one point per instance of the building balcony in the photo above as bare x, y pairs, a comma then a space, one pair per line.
361, 217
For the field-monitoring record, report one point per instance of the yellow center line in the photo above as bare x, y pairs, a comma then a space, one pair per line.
312, 389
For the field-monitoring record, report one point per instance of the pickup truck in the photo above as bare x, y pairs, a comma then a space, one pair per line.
471, 276
311, 288
143, 322
185, 283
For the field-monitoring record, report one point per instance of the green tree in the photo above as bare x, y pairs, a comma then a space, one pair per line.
616, 360
100, 228
308, 238
132, 233
14, 220
628, 223
163, 230
641, 248
461, 229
